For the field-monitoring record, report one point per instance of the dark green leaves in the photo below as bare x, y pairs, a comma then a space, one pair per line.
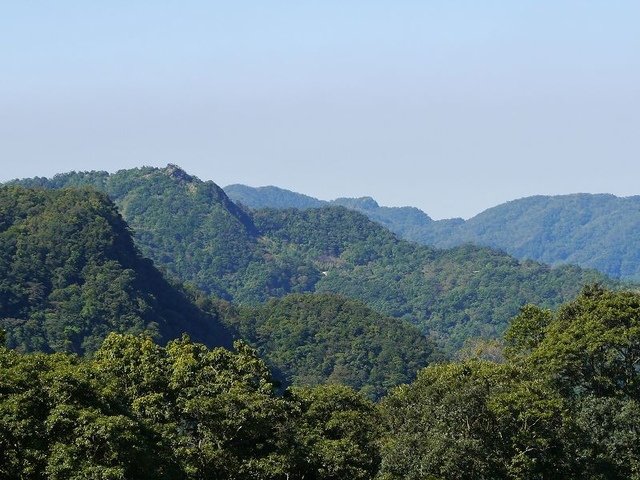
70, 274
141, 411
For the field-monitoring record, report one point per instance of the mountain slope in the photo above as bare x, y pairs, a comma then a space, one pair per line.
270, 197
191, 228
313, 339
409, 223
457, 293
592, 231
70, 274
597, 231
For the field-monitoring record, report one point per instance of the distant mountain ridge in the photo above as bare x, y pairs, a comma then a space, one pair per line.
190, 228
399, 220
70, 275
597, 231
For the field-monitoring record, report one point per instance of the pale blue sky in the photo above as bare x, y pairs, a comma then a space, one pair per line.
450, 106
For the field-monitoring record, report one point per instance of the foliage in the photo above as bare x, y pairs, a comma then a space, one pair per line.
335, 433
137, 410
54, 423
563, 405
592, 231
321, 338
193, 230
592, 345
69, 274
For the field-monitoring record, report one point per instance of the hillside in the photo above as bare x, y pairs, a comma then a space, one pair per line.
70, 274
189, 227
596, 231
312, 339
409, 223
592, 231
192, 229
451, 294
270, 197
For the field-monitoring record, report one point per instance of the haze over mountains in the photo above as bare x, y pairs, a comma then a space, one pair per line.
597, 231
155, 326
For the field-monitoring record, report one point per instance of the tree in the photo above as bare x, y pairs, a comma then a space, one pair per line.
335, 434
474, 420
54, 424
592, 345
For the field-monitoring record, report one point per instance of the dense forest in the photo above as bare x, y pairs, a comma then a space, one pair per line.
408, 223
70, 274
311, 339
109, 371
592, 231
155, 325
562, 402
195, 232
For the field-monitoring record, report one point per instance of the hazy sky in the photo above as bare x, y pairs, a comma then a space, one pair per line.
450, 106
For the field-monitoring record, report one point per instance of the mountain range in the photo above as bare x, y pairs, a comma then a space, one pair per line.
318, 302
590, 230
192, 229
70, 274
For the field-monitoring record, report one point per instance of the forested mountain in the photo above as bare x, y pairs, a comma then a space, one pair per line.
313, 339
452, 294
271, 197
596, 231
189, 227
193, 230
70, 274
408, 222
592, 231
561, 403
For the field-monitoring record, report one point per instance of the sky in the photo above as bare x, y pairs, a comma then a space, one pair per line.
451, 106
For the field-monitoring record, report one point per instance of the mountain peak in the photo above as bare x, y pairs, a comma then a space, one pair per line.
174, 171
365, 203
